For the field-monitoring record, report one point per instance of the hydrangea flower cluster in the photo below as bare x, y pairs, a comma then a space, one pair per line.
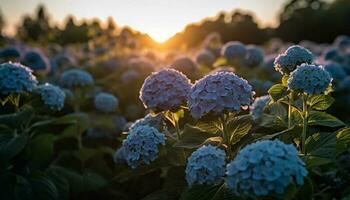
257, 108
205, 58
9, 53
310, 79
36, 60
335, 70
153, 121
141, 145
16, 79
186, 65
52, 96
205, 166
265, 167
234, 51
254, 57
76, 78
106, 102
165, 90
119, 155
219, 92
291, 58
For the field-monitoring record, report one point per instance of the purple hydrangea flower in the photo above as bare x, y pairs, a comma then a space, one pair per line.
165, 90
234, 51
219, 92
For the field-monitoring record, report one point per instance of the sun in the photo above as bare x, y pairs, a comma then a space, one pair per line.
160, 36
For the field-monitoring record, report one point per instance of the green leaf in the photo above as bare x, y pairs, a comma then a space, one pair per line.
320, 102
11, 145
220, 62
239, 127
307, 190
290, 192
320, 148
277, 91
285, 80
211, 126
343, 140
276, 116
43, 188
79, 183
317, 118
41, 149
18, 119
207, 192
193, 137
321, 145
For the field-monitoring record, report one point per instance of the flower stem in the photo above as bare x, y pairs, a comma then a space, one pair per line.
305, 120
226, 134
178, 133
290, 110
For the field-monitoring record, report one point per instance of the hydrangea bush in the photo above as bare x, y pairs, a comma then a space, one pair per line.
75, 78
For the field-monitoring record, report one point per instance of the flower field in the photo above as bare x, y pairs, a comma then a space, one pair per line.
109, 119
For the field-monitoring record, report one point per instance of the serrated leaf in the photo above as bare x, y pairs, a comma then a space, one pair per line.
317, 118
320, 102
277, 91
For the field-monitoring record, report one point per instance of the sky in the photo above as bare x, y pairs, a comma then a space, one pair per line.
161, 19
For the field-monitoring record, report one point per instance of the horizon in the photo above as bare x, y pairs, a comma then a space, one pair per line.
148, 21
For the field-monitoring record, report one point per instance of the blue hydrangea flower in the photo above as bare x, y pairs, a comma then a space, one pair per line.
205, 58
187, 66
333, 54
259, 86
257, 108
120, 123
234, 51
336, 71
141, 145
36, 60
106, 102
76, 78
165, 90
342, 41
254, 57
62, 60
205, 166
119, 155
16, 79
131, 75
310, 79
150, 120
9, 53
291, 58
52, 96
219, 92
265, 167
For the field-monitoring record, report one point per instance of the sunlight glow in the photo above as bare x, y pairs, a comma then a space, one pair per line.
160, 19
